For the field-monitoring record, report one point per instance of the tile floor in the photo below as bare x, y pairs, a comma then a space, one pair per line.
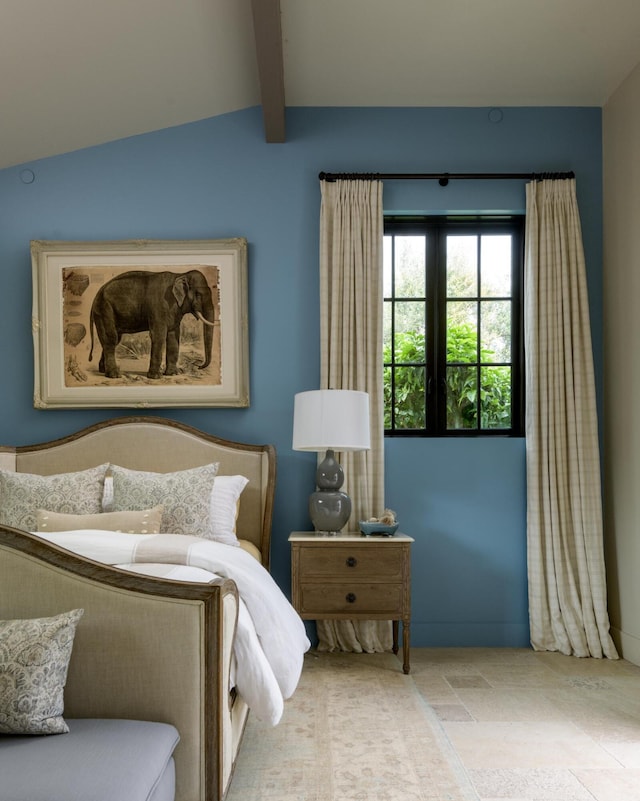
531, 726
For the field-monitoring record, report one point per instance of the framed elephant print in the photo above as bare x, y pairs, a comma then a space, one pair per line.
140, 323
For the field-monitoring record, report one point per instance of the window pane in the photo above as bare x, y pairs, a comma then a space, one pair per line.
462, 395
462, 266
410, 409
495, 266
462, 332
495, 340
495, 397
409, 333
409, 265
386, 265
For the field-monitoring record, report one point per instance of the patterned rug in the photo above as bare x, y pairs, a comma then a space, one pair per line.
356, 729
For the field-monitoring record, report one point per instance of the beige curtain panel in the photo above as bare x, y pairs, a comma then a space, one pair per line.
351, 237
567, 584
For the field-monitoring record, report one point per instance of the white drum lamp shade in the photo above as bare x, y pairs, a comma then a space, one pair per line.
336, 419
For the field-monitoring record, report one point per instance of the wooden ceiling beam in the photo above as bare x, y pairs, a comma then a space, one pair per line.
268, 34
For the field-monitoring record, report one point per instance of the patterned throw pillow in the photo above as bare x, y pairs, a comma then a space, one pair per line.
22, 494
146, 521
185, 496
34, 660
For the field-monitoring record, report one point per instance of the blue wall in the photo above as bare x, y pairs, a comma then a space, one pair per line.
462, 500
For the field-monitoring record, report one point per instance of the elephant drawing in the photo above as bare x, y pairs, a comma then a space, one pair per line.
140, 300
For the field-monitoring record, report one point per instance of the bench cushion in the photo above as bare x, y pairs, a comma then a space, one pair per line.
98, 760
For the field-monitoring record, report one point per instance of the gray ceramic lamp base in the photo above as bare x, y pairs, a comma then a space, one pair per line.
329, 509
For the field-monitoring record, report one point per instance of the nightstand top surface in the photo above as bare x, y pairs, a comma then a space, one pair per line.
345, 536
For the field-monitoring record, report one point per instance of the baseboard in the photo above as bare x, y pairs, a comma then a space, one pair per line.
628, 645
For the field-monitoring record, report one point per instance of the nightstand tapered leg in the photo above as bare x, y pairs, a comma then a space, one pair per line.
396, 626
405, 646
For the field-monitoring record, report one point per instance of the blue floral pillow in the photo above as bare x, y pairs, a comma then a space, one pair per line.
34, 660
22, 494
185, 496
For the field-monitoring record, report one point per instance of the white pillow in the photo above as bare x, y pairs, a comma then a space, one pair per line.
185, 496
107, 495
22, 494
225, 497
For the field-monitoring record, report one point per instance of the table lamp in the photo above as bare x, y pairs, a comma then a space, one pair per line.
330, 420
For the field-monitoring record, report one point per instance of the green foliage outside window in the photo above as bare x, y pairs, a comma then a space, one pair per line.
461, 383
409, 411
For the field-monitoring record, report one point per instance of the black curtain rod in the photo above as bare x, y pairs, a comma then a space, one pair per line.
443, 178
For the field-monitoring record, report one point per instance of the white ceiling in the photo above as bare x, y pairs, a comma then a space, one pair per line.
76, 73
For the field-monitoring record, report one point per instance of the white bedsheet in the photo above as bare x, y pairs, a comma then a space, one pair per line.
271, 639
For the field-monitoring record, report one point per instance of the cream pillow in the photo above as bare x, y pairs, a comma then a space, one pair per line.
34, 660
146, 521
22, 494
185, 496
225, 497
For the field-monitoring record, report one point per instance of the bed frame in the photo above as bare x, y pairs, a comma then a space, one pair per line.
147, 648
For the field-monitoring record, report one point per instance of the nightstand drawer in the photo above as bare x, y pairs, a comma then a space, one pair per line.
358, 561
351, 598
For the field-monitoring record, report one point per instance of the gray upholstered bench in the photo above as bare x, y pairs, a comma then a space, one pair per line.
98, 760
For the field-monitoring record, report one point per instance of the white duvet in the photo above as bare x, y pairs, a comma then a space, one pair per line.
271, 638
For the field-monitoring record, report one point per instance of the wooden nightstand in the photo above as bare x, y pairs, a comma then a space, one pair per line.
350, 577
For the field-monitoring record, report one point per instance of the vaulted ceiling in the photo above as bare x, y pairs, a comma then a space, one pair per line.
76, 73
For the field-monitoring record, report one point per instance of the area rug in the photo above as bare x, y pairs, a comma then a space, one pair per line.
356, 729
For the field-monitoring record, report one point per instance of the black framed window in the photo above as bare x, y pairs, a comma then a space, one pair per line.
453, 360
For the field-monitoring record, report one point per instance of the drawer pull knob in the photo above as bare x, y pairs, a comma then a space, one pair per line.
351, 561
351, 597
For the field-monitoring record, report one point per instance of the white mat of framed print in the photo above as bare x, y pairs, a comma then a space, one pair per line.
141, 323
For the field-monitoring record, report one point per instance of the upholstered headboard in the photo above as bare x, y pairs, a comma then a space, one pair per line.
160, 445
